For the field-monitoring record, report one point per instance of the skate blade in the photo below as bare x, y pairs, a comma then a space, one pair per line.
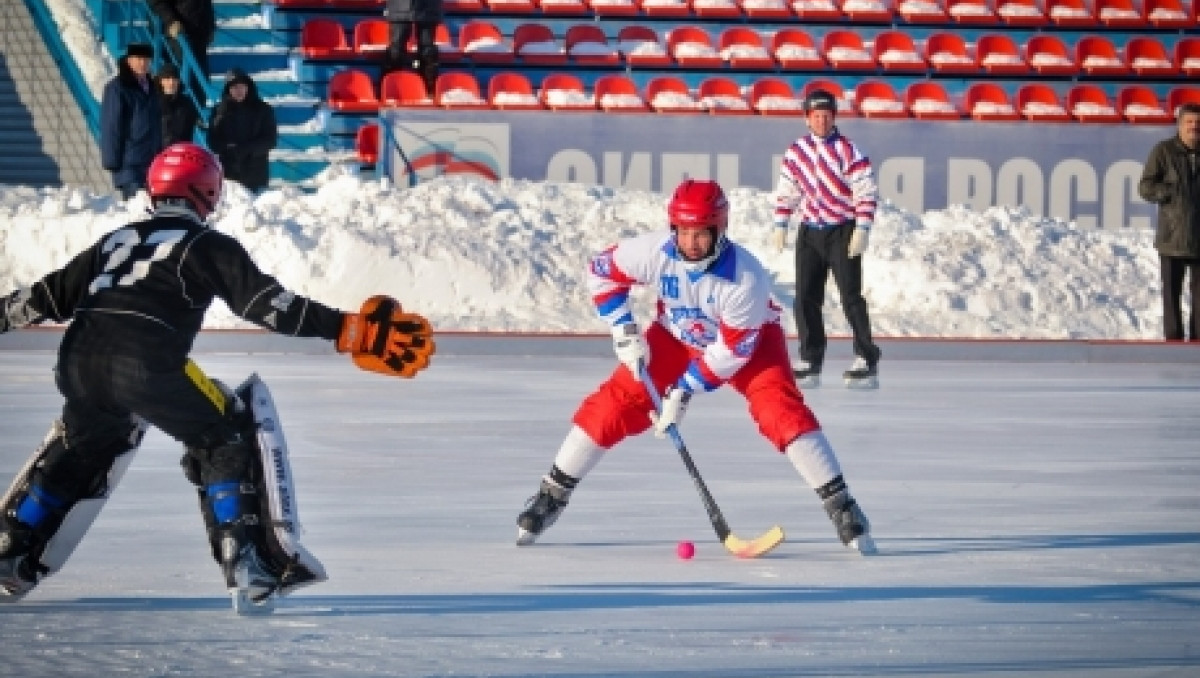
525, 537
245, 606
865, 545
810, 381
862, 383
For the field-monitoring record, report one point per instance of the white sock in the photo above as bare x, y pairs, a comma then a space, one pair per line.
813, 457
578, 454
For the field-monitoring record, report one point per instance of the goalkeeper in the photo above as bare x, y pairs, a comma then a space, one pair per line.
136, 301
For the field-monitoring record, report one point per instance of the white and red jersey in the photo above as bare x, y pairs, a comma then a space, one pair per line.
717, 312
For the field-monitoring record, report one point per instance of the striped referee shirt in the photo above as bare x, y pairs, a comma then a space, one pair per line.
825, 182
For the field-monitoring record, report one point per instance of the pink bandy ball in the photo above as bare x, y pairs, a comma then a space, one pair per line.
685, 550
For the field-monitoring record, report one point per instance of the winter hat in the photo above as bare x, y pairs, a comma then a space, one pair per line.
139, 49
237, 76
168, 70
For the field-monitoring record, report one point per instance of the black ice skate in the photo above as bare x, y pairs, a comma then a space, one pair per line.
851, 523
18, 566
251, 585
862, 375
540, 512
808, 374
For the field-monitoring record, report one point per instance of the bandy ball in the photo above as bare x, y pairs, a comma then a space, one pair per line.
685, 550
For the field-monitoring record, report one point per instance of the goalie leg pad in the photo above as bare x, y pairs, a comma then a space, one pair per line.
262, 494
63, 517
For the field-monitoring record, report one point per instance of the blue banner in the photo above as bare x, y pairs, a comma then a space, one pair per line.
1076, 172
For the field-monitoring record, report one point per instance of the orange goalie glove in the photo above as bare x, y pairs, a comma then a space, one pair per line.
383, 338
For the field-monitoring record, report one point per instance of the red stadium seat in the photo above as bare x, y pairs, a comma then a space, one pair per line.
743, 47
817, 10
1187, 56
845, 109
928, 100
1097, 55
692, 46
565, 92
1071, 13
353, 4
481, 42
1048, 55
716, 9
666, 8
931, 12
1040, 103
772, 96
535, 44
877, 99
642, 46
722, 96
617, 94
510, 6
587, 44
998, 54
1121, 13
1090, 103
794, 49
875, 12
462, 6
1169, 14
971, 12
366, 143
768, 10
1139, 104
511, 91
602, 8
670, 94
404, 89
987, 101
1021, 13
844, 50
896, 51
1181, 95
371, 38
352, 91
563, 7
948, 53
458, 90
324, 39
1146, 56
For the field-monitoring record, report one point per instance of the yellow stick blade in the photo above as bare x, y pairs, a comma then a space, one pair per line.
755, 547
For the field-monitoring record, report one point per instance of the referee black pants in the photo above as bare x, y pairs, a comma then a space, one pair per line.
819, 252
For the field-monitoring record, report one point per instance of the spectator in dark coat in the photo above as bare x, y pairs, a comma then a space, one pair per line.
179, 115
403, 16
242, 132
130, 121
196, 21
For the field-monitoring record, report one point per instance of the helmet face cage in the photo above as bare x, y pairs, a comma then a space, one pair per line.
188, 172
700, 204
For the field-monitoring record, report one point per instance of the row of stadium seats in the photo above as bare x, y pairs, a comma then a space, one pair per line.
353, 91
480, 41
1066, 13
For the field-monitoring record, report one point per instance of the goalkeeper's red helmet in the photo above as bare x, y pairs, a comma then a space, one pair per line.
700, 203
188, 172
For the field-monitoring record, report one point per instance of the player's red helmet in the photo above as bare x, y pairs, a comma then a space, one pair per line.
188, 172
699, 203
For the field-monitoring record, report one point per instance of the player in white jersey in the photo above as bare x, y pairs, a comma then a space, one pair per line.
716, 323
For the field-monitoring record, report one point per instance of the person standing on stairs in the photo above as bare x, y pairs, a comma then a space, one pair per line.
195, 21
403, 16
130, 121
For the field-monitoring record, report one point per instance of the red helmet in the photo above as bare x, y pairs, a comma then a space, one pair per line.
188, 172
701, 204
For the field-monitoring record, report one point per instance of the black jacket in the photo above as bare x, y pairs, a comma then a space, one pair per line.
179, 117
1171, 181
143, 290
130, 127
197, 16
420, 11
243, 134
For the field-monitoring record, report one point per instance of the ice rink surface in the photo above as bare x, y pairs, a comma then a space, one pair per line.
1033, 519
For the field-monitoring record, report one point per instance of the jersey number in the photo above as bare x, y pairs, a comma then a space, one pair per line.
125, 262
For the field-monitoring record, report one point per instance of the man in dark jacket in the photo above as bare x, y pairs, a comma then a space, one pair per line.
179, 116
1171, 180
402, 15
196, 21
243, 132
130, 121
